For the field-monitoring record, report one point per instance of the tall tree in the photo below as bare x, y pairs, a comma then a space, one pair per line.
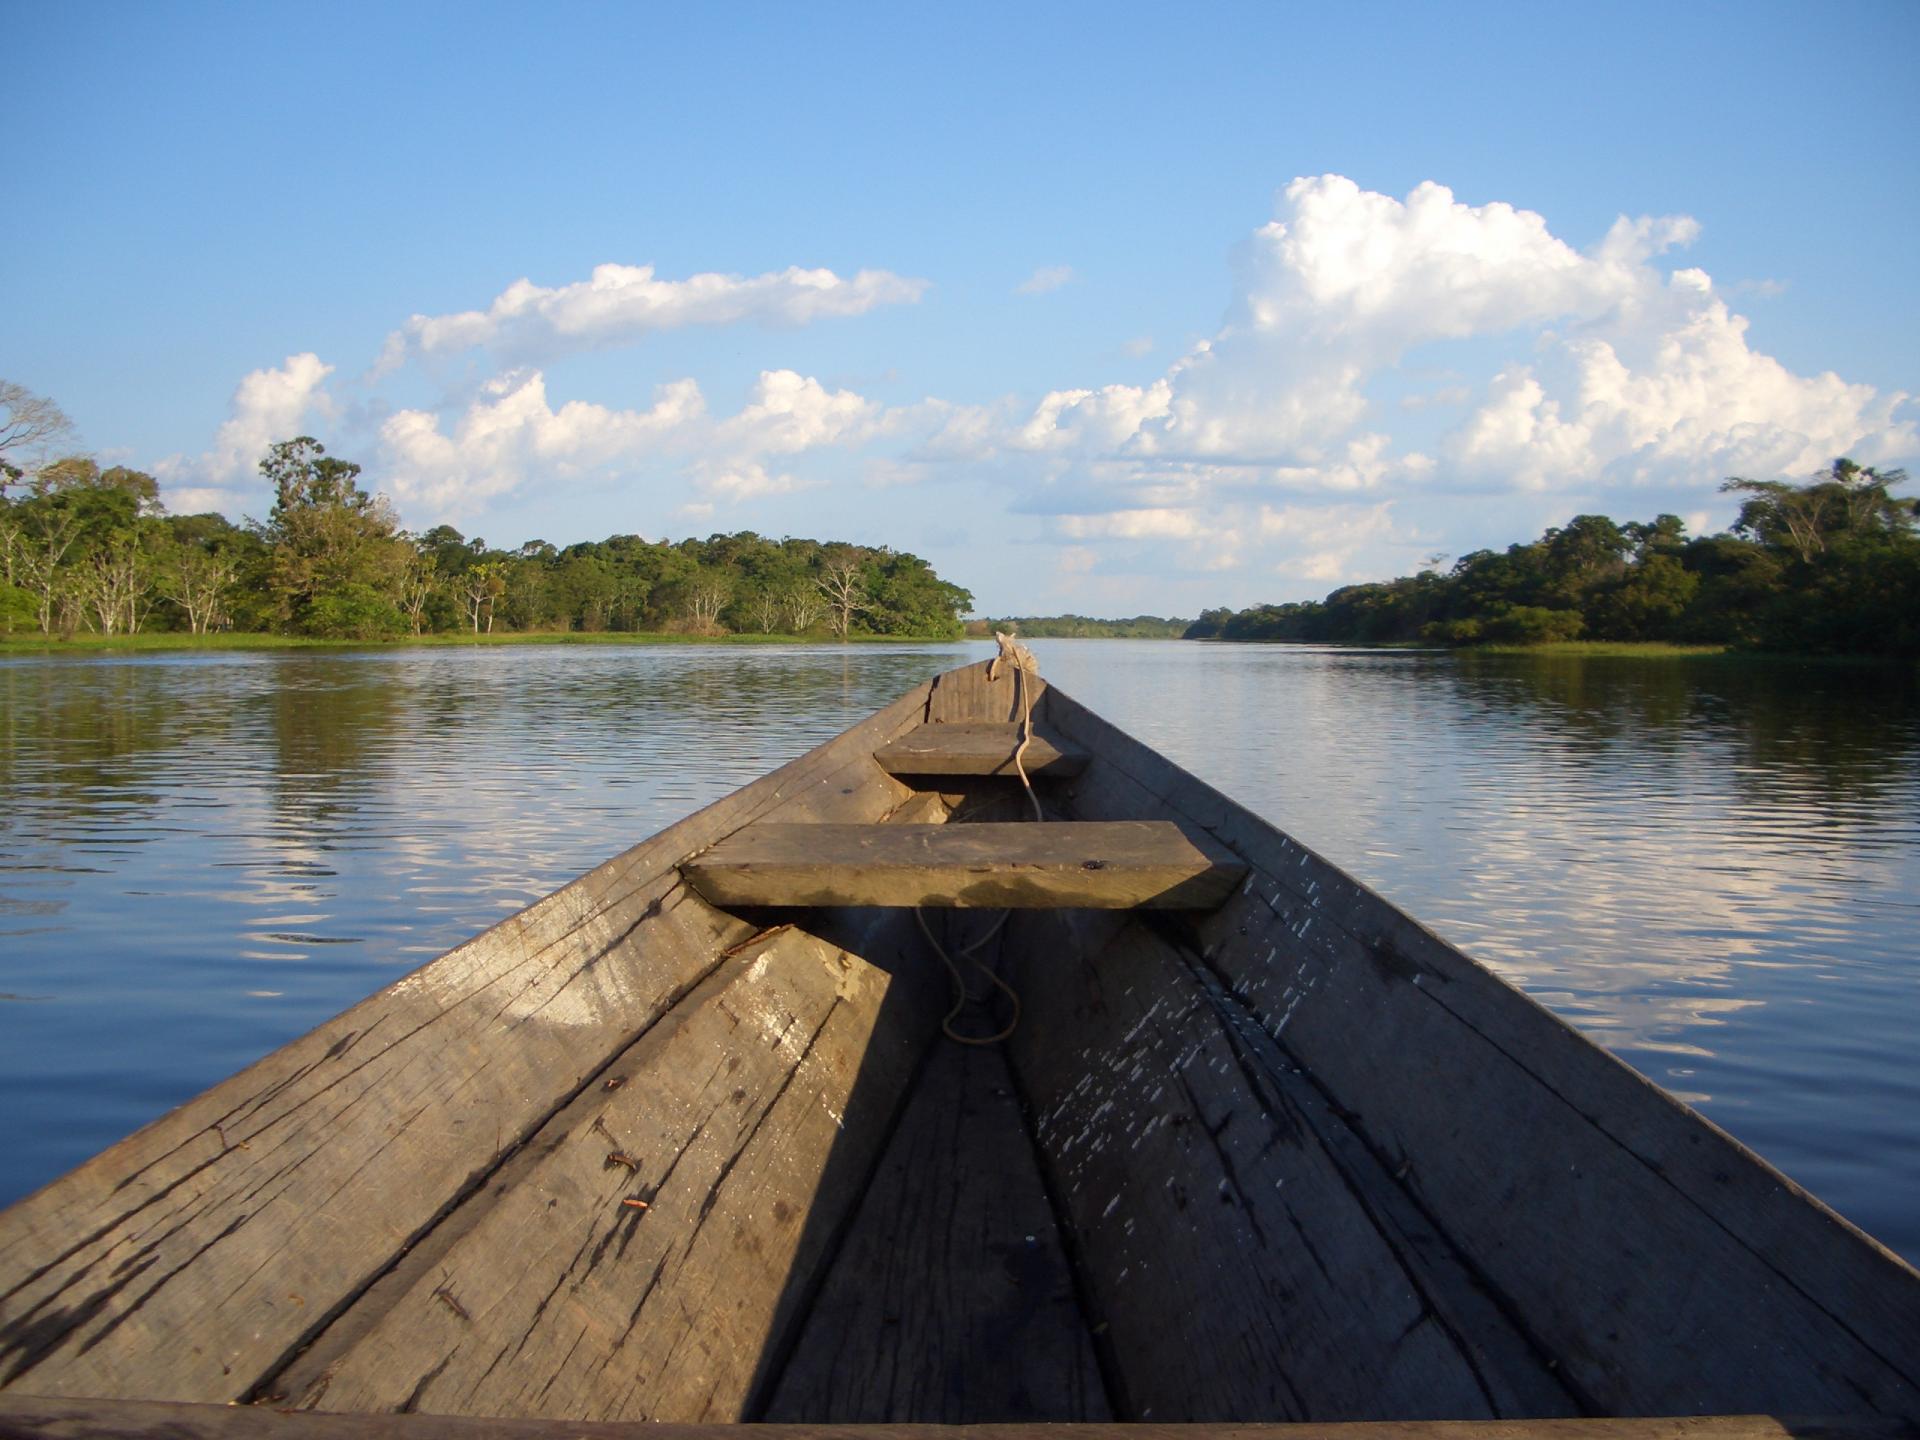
338, 561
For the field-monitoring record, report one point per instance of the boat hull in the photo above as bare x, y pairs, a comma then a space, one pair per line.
631, 1155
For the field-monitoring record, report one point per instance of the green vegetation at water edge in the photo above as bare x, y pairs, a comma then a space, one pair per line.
86, 551
1827, 567
1610, 649
1083, 627
161, 641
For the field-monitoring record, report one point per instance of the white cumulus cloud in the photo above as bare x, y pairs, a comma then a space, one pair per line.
1617, 371
268, 406
789, 412
1684, 399
513, 435
619, 304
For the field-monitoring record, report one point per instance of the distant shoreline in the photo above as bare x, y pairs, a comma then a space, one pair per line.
161, 641
1601, 650
176, 642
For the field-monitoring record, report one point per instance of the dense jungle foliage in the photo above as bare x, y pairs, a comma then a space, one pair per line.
1831, 566
86, 549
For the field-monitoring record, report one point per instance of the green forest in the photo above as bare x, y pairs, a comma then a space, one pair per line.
1828, 566
1085, 627
87, 550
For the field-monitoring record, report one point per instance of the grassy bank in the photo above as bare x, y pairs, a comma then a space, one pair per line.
1720, 654
1606, 649
171, 640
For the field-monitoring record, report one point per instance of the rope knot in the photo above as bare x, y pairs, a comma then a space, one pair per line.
1014, 654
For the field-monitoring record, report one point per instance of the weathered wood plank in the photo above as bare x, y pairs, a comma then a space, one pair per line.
745, 1122
967, 696
1195, 1191
1117, 865
193, 1258
1616, 1188
950, 1301
978, 748
28, 1417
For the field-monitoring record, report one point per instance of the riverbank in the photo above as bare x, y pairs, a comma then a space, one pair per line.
173, 640
1608, 649
1718, 654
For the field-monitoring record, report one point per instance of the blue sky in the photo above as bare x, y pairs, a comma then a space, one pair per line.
1106, 308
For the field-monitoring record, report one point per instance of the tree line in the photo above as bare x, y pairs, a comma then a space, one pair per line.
87, 549
1084, 627
1830, 565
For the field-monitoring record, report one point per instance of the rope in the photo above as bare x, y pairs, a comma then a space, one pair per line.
1012, 652
961, 995
1021, 658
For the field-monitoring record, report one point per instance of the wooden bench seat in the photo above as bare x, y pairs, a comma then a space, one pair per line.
1107, 865
981, 748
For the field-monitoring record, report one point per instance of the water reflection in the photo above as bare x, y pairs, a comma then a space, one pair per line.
1712, 869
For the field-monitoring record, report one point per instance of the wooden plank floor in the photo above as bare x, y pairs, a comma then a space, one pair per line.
660, 1234
1121, 864
951, 1301
1196, 1190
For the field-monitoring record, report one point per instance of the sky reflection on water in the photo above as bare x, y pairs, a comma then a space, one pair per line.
1711, 869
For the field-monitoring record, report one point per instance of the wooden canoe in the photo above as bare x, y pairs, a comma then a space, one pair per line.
684, 1142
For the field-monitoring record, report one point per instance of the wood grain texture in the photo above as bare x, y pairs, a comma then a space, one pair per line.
26, 1417
951, 1301
1238, 1273
1114, 865
967, 696
192, 1259
731, 1128
1661, 1266
982, 748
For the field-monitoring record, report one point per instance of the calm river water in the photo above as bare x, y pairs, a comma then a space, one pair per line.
1712, 869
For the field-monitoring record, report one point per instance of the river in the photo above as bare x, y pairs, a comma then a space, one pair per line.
1711, 868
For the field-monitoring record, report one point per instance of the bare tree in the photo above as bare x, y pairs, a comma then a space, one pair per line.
29, 424
51, 531
481, 587
13, 541
764, 604
800, 602
845, 588
416, 589
196, 580
114, 584
705, 596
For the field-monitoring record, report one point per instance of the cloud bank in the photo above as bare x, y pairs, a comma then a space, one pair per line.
1381, 362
